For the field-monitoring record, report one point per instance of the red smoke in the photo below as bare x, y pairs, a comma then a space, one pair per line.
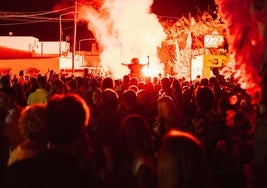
245, 39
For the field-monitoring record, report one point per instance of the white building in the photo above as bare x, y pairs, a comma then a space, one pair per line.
25, 52
13, 47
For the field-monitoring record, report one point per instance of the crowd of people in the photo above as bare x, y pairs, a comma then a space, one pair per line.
87, 131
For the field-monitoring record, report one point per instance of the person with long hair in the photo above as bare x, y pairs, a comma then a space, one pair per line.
138, 165
168, 117
182, 162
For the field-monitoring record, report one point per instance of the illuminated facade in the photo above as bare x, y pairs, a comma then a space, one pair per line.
15, 47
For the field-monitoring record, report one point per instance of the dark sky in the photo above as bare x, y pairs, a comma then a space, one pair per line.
49, 31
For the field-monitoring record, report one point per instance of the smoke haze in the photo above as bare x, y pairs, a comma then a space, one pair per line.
125, 29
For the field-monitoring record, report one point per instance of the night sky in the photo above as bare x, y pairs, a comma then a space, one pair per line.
49, 31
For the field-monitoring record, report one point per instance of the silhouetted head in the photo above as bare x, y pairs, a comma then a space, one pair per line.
181, 162
107, 82
66, 118
7, 97
135, 134
42, 82
32, 122
108, 100
135, 60
165, 83
204, 97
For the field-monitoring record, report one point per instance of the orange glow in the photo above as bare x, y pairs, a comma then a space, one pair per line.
152, 71
174, 132
13, 53
125, 29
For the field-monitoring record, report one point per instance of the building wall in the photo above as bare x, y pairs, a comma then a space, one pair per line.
42, 64
51, 48
27, 46
52, 63
17, 46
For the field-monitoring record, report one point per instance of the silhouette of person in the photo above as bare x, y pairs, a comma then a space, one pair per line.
136, 68
62, 163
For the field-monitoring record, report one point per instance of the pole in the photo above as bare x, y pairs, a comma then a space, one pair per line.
84, 40
74, 36
80, 47
60, 31
148, 61
60, 34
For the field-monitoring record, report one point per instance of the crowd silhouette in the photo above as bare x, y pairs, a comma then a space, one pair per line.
91, 131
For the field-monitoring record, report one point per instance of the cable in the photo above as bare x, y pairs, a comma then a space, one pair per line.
71, 27
10, 14
23, 18
22, 23
35, 18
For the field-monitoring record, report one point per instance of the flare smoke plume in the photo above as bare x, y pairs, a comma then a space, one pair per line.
125, 29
